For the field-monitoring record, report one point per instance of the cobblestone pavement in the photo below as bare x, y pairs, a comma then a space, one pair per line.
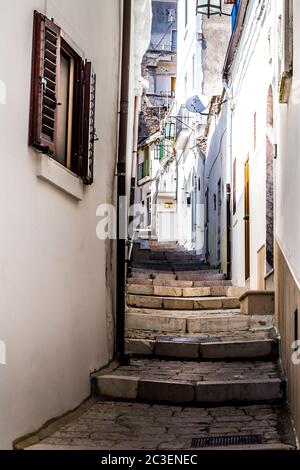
132, 426
192, 372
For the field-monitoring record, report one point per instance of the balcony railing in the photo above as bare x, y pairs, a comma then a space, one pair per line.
144, 170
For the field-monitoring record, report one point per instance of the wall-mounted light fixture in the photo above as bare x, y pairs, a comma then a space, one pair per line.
213, 7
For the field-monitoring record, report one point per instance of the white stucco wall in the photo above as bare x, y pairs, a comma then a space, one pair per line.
252, 74
55, 275
216, 169
288, 166
190, 165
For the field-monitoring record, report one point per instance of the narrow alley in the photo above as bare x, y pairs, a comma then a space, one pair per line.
150, 237
204, 369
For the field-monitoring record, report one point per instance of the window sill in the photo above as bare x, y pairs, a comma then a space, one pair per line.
59, 176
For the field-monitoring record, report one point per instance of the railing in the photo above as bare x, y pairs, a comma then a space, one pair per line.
143, 170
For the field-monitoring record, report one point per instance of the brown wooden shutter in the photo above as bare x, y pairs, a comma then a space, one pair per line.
88, 135
45, 73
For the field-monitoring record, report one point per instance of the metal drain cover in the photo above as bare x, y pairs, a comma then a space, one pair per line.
187, 339
224, 441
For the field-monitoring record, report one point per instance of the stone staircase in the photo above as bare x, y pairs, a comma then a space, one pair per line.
192, 342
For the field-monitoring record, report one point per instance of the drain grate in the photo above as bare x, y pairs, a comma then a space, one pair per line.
187, 339
224, 441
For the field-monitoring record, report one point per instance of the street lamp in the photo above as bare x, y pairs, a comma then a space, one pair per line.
213, 7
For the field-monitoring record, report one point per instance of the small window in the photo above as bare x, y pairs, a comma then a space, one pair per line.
62, 109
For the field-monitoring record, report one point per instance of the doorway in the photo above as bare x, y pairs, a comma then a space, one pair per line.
247, 219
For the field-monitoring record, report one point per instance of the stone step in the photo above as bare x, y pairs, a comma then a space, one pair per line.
201, 272
194, 382
182, 303
258, 302
183, 291
204, 349
169, 267
164, 245
186, 276
190, 276
182, 322
171, 256
175, 283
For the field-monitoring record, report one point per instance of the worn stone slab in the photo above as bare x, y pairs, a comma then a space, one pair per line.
172, 283
219, 291
163, 276
212, 283
140, 289
155, 323
258, 303
165, 291
162, 427
230, 302
139, 346
196, 292
180, 350
261, 321
208, 304
233, 350
137, 281
150, 390
199, 276
239, 391
218, 323
234, 291
117, 386
178, 304
144, 301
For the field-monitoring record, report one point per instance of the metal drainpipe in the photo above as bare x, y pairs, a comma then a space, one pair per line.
229, 187
135, 149
121, 182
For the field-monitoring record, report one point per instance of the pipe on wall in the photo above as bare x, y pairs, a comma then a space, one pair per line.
121, 182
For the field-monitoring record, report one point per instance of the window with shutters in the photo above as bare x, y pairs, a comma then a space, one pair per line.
62, 110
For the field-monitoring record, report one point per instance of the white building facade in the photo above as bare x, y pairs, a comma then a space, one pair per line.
57, 301
202, 44
253, 146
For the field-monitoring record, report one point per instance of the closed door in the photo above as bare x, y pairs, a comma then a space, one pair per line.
247, 221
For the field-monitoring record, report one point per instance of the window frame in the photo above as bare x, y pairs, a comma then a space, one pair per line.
74, 164
46, 62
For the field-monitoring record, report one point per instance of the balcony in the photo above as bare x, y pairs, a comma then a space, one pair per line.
144, 172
